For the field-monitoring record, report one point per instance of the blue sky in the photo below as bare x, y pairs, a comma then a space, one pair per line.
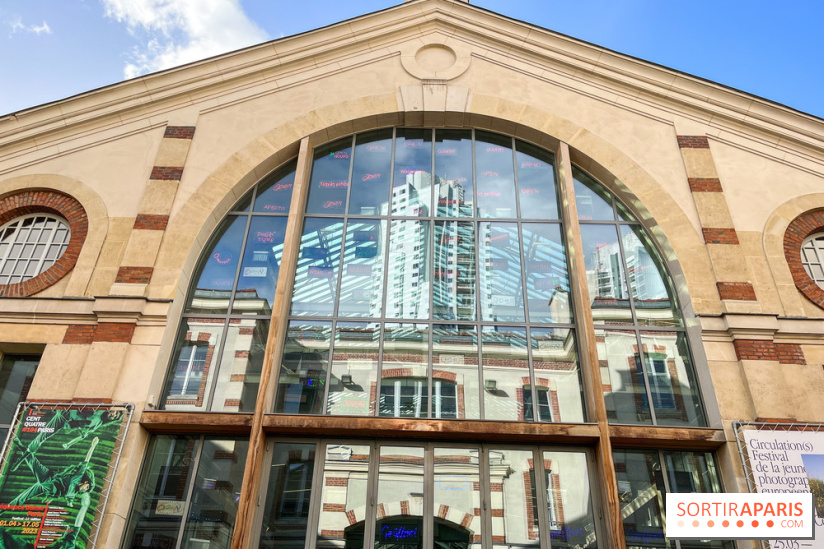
51, 49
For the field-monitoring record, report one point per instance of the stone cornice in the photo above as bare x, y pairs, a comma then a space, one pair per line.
143, 103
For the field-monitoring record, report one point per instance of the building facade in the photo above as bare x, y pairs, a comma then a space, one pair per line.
429, 277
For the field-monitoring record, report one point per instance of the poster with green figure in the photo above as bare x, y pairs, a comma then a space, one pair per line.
53, 475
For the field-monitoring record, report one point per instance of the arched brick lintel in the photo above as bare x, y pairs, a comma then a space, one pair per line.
806, 224
46, 201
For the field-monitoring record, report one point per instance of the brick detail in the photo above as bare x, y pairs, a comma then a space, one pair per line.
232, 403
738, 291
790, 353
705, 185
693, 142
134, 275
79, 334
337, 481
167, 173
179, 132
47, 202
755, 349
799, 229
334, 507
776, 420
720, 236
114, 332
151, 222
237, 378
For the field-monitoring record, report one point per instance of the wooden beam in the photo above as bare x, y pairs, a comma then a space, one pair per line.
683, 438
244, 523
431, 429
589, 352
188, 422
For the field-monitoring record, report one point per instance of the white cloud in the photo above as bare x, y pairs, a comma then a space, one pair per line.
18, 26
175, 32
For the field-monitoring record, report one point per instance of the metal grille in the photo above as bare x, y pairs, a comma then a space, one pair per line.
125, 414
812, 257
31, 244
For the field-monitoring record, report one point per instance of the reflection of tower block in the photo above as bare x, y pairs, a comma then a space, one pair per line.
240, 367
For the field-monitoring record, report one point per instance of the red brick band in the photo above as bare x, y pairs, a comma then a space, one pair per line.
790, 353
720, 236
114, 332
151, 222
167, 173
705, 185
755, 349
800, 228
134, 275
81, 334
693, 142
737, 291
776, 420
179, 132
46, 202
759, 349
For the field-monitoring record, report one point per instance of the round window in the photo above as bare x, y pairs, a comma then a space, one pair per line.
31, 244
812, 257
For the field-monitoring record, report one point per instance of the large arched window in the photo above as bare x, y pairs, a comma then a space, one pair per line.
426, 275
432, 281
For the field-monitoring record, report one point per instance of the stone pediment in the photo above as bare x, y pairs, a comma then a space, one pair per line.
435, 41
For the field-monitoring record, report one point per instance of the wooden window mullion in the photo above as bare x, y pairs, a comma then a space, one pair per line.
589, 353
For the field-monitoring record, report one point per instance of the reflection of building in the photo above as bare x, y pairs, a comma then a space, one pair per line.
400, 328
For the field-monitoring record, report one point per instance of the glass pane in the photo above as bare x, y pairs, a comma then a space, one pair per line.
500, 263
261, 264
316, 278
16, 375
361, 293
344, 497
407, 292
536, 181
622, 377
216, 493
275, 194
694, 472
593, 201
651, 286
404, 372
412, 192
302, 379
558, 383
400, 498
453, 173
330, 178
569, 503
454, 287
215, 276
507, 383
495, 174
457, 473
672, 380
513, 498
641, 496
354, 369
239, 375
547, 279
623, 212
605, 275
286, 512
160, 499
195, 362
371, 174
455, 381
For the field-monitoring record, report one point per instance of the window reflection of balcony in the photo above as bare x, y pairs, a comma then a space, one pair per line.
246, 301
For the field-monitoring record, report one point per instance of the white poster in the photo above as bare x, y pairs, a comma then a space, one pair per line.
785, 462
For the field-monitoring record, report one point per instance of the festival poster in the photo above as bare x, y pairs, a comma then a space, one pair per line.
53, 476
787, 462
